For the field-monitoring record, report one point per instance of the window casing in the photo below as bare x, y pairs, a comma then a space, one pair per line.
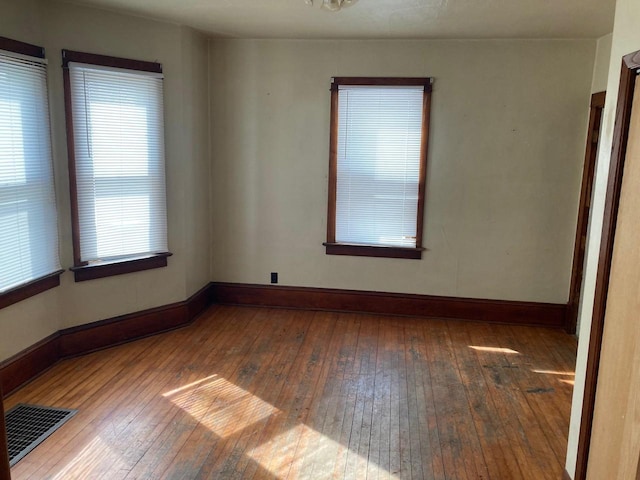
377, 166
115, 130
29, 259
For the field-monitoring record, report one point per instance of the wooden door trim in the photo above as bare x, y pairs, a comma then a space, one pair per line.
595, 122
630, 66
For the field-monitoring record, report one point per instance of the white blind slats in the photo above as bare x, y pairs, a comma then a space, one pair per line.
28, 219
378, 162
119, 144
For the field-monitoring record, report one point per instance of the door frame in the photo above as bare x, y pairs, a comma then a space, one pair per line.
630, 69
579, 249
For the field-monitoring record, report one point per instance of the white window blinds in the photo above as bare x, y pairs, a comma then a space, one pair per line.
28, 220
118, 129
378, 165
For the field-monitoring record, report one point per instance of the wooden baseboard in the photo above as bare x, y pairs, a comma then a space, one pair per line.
495, 311
29, 363
69, 342
566, 476
115, 331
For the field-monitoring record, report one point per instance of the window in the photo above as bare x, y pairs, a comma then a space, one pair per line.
29, 261
377, 166
115, 130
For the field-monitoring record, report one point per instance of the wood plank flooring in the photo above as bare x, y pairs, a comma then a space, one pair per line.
269, 393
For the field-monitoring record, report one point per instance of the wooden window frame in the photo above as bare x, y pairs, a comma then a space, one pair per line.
22, 48
30, 289
331, 245
52, 280
82, 270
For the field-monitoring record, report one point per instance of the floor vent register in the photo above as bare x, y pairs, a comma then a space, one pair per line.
30, 425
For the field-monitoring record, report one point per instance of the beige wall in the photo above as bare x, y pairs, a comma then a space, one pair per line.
601, 66
85, 29
625, 39
23, 324
195, 161
183, 54
502, 193
508, 128
504, 165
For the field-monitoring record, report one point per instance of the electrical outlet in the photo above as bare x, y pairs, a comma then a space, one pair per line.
274, 277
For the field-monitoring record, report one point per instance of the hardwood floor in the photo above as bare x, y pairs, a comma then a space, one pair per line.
268, 393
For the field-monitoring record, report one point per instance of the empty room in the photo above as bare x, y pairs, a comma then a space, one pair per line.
351, 239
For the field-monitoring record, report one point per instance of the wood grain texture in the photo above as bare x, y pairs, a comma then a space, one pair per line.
496, 311
269, 393
30, 363
630, 64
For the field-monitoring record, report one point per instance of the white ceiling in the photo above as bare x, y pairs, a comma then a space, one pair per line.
381, 18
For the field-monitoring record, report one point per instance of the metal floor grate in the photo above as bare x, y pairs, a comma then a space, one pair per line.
30, 425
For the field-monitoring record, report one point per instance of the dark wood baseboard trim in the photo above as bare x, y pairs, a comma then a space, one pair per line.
115, 331
69, 342
566, 476
495, 311
31, 362
199, 301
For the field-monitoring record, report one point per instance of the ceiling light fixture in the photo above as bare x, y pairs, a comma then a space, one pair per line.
332, 5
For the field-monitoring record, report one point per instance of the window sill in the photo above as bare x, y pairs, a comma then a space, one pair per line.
372, 251
30, 289
119, 267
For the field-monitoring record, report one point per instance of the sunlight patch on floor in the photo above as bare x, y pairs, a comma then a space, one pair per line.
221, 406
493, 349
559, 373
84, 463
322, 454
227, 409
189, 385
555, 372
